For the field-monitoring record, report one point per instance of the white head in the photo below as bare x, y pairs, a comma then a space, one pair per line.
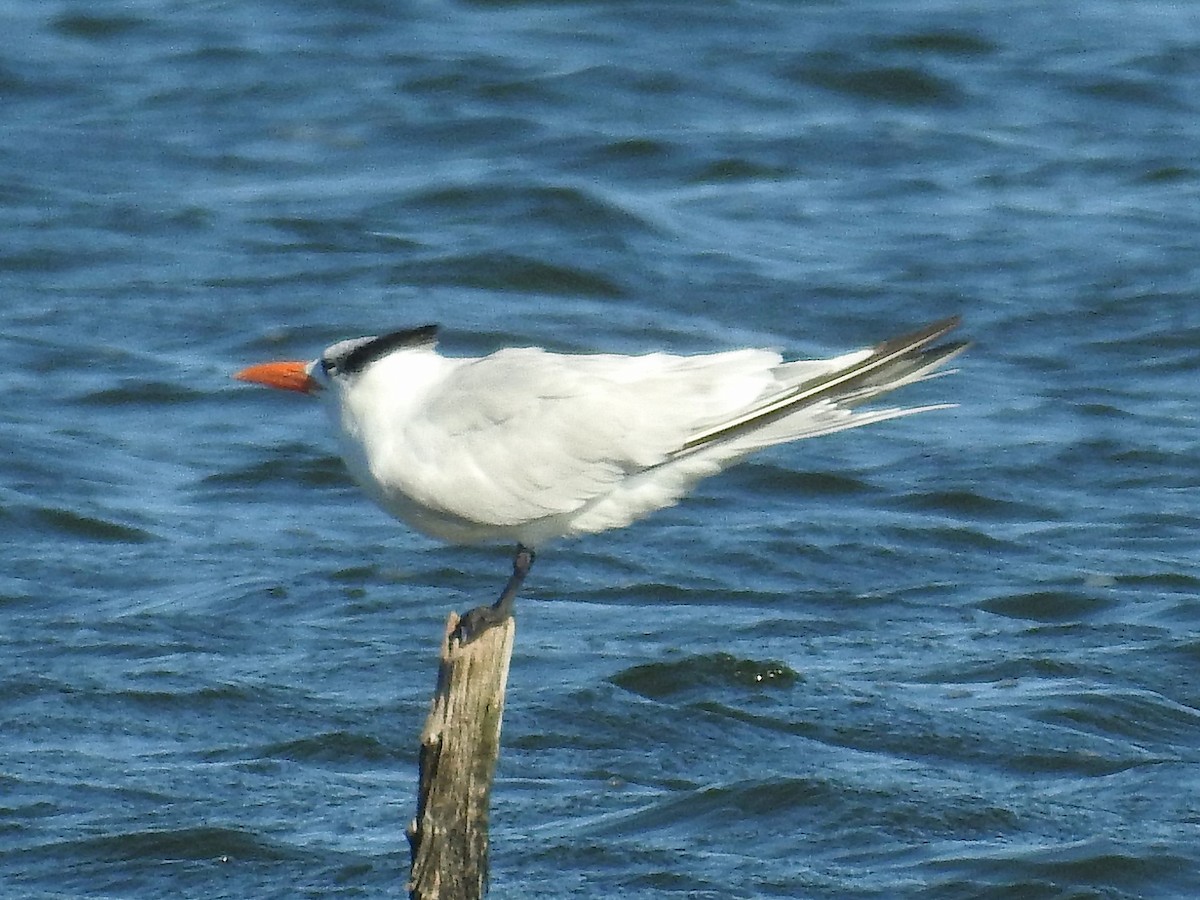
340, 365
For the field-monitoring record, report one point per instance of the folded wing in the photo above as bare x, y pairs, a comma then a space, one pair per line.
525, 435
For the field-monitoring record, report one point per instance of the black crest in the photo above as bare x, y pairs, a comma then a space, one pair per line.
350, 357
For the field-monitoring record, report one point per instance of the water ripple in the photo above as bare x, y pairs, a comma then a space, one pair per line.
938, 657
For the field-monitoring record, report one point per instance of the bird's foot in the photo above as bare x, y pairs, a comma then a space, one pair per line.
475, 622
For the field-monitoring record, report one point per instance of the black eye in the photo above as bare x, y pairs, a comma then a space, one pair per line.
328, 366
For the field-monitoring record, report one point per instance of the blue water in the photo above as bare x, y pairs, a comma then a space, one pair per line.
952, 656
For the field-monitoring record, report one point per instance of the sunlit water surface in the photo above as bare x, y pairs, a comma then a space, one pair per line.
952, 656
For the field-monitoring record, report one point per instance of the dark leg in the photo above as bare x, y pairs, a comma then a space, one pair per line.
476, 621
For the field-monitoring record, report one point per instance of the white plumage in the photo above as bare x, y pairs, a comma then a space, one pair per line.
525, 445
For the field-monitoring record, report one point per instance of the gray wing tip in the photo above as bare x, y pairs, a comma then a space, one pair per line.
921, 336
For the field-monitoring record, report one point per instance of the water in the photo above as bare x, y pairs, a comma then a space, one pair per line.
951, 656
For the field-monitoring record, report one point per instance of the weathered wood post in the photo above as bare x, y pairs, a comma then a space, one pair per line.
459, 747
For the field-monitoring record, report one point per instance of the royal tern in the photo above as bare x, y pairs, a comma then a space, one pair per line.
525, 445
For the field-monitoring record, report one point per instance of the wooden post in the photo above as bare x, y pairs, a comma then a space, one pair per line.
459, 746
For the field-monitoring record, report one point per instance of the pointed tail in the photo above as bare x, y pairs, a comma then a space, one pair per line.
824, 404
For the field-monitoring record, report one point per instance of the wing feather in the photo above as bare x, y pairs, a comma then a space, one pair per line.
524, 434
547, 444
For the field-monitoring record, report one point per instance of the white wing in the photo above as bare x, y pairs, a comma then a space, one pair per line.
528, 445
523, 434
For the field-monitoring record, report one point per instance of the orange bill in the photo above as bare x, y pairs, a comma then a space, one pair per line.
287, 376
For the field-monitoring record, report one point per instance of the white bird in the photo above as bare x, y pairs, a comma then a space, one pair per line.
525, 445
